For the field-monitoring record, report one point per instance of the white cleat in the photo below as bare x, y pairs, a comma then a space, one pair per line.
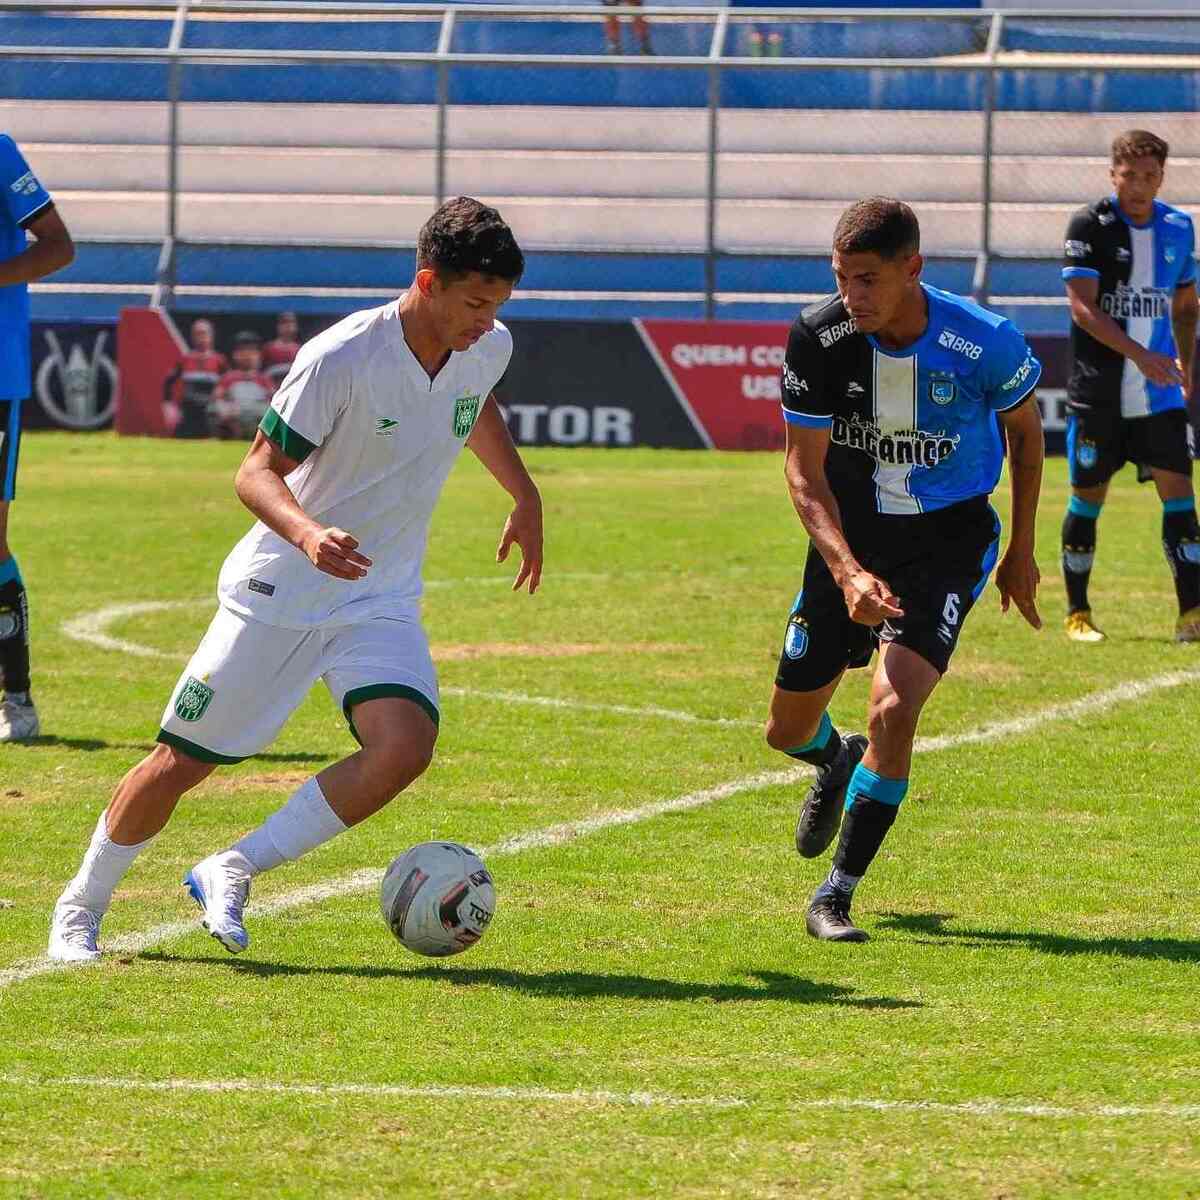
73, 933
18, 722
220, 885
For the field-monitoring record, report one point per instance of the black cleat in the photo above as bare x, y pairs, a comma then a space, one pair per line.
822, 811
829, 919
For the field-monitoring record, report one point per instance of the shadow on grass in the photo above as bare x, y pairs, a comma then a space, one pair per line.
578, 985
66, 743
932, 930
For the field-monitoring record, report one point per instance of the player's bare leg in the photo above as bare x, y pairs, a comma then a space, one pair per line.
902, 684
397, 737
1181, 544
1078, 554
140, 807
799, 726
18, 717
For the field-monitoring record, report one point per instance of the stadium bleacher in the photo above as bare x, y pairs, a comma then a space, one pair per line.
308, 181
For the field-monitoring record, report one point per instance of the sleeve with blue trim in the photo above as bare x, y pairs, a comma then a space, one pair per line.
1012, 370
1080, 256
1187, 270
307, 403
24, 198
803, 385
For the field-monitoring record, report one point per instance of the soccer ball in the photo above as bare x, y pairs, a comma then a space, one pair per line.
438, 898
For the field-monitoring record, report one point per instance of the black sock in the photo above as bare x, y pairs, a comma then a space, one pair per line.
825, 746
872, 802
14, 635
1181, 543
1078, 550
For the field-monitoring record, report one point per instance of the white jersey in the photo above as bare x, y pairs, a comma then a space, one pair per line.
375, 439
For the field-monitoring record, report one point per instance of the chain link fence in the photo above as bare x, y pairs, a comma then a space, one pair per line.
703, 152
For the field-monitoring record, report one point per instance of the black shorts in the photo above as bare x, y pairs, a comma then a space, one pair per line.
1100, 442
10, 446
936, 563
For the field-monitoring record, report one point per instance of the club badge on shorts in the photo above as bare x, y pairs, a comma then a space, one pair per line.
466, 408
1086, 455
194, 699
795, 644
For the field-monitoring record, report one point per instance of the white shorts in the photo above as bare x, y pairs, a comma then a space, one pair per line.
246, 678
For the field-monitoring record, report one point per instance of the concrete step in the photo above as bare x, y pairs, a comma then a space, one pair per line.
596, 223
517, 127
232, 170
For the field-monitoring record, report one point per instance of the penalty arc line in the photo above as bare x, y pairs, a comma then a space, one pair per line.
433, 1091
92, 629
555, 835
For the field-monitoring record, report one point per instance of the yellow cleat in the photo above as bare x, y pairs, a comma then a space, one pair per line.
1080, 627
1187, 628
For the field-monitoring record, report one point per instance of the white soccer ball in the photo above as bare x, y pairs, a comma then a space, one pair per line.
438, 898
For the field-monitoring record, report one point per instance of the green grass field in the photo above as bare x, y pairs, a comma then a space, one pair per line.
646, 1016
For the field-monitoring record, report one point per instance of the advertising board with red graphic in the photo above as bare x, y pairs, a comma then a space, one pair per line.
678, 384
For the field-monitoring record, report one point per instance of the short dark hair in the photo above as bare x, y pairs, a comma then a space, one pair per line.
878, 225
465, 236
246, 337
1138, 143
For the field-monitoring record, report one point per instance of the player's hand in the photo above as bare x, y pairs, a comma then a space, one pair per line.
1188, 380
524, 527
1017, 578
869, 600
1160, 369
335, 552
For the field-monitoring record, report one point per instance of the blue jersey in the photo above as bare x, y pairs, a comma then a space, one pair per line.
24, 201
1138, 268
912, 430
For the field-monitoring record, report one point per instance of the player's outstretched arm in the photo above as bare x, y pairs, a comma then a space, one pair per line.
492, 444
261, 488
869, 600
52, 251
1185, 313
1083, 295
1017, 576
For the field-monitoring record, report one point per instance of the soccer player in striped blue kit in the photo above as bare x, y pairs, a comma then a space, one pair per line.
894, 395
1130, 271
26, 208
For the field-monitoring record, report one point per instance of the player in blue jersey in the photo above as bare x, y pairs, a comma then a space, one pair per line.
26, 208
1130, 270
895, 395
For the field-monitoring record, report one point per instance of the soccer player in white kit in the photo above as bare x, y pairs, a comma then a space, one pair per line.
343, 476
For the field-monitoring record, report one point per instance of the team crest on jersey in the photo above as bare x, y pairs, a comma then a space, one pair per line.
1086, 454
466, 409
942, 388
795, 643
193, 700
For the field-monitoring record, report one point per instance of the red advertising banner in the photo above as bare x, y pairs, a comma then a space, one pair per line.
726, 377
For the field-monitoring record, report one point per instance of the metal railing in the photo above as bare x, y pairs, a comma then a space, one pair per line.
990, 61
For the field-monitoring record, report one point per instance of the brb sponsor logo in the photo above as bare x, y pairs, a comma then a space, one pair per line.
959, 344
834, 333
911, 447
569, 425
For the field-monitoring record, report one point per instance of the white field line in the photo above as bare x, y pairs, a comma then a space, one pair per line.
406, 1091
368, 879
669, 714
93, 627
383, 1091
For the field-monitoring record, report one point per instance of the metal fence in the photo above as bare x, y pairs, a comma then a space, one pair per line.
984, 118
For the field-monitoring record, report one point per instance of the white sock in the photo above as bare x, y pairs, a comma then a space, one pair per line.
305, 822
103, 867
